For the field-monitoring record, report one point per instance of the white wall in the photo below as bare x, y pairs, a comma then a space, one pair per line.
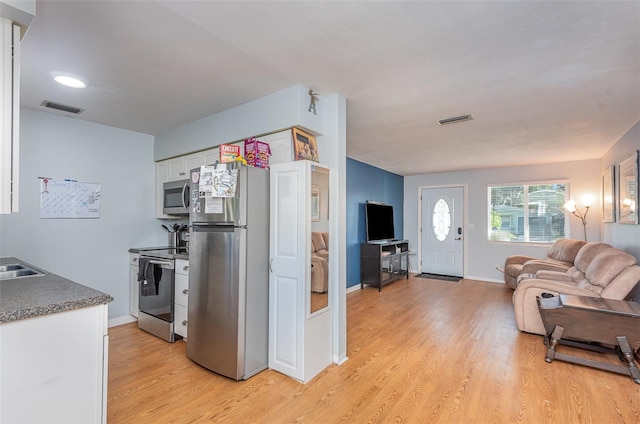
332, 148
623, 236
481, 256
284, 109
92, 252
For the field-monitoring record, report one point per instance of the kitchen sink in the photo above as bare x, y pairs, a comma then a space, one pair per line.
11, 267
17, 270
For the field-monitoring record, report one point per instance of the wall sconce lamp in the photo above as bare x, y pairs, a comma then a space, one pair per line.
570, 206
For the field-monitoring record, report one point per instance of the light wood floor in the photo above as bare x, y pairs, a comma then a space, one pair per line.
421, 351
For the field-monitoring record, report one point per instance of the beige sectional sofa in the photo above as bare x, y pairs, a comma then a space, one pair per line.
560, 257
599, 270
319, 261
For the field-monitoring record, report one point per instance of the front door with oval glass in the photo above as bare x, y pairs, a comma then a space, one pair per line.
442, 239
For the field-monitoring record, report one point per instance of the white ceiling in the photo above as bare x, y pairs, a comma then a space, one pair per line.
544, 81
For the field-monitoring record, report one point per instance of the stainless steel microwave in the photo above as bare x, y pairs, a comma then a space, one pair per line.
175, 197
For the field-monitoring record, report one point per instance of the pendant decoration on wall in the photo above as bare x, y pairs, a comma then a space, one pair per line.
312, 102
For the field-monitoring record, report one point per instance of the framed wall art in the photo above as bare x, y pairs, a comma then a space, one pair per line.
304, 146
315, 203
628, 190
608, 195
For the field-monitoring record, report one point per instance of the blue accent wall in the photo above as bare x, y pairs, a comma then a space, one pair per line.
366, 182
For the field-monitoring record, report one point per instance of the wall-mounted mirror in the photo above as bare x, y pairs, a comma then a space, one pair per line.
320, 252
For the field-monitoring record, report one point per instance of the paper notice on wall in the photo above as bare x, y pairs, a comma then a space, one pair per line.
69, 199
213, 205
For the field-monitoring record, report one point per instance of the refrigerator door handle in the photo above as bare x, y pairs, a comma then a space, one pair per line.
270, 267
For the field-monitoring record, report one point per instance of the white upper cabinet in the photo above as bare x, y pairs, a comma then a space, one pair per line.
20, 12
211, 156
9, 114
15, 17
179, 168
281, 146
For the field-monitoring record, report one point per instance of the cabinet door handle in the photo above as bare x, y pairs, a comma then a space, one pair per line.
185, 291
135, 259
183, 173
184, 322
185, 268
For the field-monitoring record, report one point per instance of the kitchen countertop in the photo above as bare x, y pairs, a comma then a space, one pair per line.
34, 296
161, 251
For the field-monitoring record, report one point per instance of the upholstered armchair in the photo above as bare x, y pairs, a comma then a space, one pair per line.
560, 258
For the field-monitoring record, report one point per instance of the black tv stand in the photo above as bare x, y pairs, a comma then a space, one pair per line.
382, 262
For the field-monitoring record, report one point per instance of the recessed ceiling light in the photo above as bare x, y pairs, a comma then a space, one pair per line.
69, 80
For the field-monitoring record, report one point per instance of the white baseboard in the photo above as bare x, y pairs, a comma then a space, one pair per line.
490, 280
353, 288
126, 319
339, 360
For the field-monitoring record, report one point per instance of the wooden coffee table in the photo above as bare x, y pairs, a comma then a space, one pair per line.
596, 324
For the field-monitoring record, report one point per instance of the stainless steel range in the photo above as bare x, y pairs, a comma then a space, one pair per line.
156, 283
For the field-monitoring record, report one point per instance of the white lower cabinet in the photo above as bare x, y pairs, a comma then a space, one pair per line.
133, 284
181, 297
54, 368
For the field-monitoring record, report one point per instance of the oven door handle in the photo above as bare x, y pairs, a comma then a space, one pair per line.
165, 265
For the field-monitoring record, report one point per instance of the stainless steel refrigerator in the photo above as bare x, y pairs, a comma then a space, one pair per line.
229, 271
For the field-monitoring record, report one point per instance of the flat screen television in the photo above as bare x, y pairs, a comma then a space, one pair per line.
379, 221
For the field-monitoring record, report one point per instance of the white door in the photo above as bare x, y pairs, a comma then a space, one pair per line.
288, 260
299, 339
442, 235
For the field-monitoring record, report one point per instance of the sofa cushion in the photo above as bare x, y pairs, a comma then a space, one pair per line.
319, 246
565, 250
576, 274
586, 254
317, 242
325, 238
607, 265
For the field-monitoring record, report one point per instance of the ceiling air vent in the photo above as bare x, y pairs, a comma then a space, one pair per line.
454, 120
60, 106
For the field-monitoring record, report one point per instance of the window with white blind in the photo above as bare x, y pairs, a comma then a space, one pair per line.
528, 212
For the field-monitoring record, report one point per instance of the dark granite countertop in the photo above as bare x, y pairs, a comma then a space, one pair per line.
34, 296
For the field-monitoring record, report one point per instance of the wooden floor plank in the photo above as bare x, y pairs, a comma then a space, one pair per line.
420, 351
